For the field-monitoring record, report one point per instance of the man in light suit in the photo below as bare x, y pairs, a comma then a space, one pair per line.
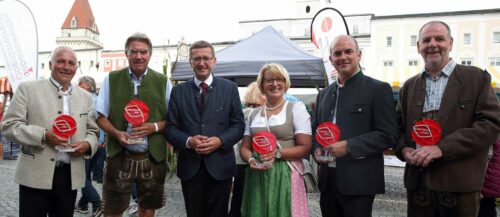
48, 179
205, 121
363, 108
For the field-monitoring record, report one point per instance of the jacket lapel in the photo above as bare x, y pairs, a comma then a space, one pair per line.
329, 106
450, 97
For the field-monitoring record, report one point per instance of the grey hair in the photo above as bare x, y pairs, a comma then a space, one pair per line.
90, 81
54, 53
434, 22
139, 36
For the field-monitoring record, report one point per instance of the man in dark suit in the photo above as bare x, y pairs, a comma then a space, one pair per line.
446, 179
363, 109
205, 121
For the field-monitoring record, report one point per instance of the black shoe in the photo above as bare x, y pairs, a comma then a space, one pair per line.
98, 180
83, 210
97, 212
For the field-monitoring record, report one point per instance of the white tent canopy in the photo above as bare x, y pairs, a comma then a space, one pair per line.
242, 61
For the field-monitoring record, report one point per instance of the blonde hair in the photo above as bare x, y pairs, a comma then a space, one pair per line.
273, 68
252, 95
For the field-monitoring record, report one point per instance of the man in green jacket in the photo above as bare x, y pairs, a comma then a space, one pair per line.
136, 152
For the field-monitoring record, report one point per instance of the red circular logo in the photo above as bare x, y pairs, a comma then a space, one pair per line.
264, 142
327, 133
136, 112
326, 24
426, 132
64, 126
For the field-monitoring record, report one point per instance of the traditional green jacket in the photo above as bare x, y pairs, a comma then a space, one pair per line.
151, 91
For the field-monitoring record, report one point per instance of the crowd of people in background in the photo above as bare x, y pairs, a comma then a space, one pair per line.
71, 135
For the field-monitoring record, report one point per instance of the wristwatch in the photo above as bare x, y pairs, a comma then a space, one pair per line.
278, 153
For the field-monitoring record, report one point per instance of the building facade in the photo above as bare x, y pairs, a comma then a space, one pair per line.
388, 43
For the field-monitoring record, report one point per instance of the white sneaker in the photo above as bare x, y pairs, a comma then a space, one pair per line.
132, 208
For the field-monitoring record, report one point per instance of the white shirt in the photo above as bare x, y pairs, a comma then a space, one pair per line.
301, 119
63, 156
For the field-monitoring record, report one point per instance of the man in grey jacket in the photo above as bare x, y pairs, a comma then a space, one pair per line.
48, 179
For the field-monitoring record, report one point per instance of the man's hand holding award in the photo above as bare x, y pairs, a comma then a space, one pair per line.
64, 126
263, 142
327, 133
136, 112
426, 134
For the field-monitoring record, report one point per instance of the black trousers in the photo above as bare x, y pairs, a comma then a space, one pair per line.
206, 197
334, 203
487, 207
239, 181
58, 202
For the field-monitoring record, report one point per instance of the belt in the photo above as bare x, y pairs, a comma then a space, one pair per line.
61, 164
135, 153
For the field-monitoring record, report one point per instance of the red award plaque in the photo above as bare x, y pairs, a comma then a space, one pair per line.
426, 132
136, 112
264, 142
327, 133
64, 126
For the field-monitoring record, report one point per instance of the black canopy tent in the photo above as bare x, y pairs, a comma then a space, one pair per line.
242, 61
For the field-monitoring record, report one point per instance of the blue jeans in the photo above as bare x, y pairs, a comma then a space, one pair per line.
134, 191
89, 194
98, 164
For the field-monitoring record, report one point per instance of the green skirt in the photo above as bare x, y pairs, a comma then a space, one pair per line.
267, 193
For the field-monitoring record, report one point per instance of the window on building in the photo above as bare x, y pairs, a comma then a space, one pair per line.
494, 61
355, 29
42, 66
388, 42
388, 63
467, 40
466, 61
413, 40
74, 23
412, 62
307, 32
92, 63
496, 37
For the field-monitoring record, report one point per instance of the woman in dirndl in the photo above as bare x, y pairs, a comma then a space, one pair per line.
276, 191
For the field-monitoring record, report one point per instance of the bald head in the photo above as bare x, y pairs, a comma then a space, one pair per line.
343, 37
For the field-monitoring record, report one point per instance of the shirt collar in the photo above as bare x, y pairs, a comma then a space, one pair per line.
209, 80
446, 71
60, 87
360, 72
132, 75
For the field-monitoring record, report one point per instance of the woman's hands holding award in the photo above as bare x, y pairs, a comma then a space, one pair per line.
136, 113
327, 133
264, 144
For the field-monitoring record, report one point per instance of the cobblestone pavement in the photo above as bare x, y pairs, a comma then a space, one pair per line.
391, 204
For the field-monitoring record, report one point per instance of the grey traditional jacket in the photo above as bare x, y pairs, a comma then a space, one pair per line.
33, 109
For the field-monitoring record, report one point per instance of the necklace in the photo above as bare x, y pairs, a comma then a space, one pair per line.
275, 107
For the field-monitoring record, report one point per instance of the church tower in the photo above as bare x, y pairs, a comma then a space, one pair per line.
79, 30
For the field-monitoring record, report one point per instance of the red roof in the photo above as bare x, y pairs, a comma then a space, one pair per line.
84, 18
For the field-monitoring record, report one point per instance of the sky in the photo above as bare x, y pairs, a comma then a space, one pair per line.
212, 20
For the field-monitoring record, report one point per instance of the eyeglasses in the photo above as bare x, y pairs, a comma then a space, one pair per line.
199, 59
134, 52
269, 81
